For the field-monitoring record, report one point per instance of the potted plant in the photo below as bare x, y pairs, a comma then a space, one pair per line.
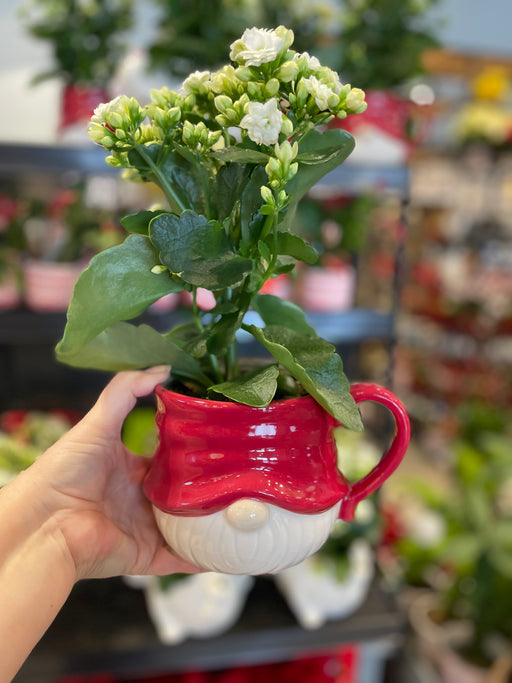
60, 237
12, 210
380, 46
233, 153
336, 227
86, 47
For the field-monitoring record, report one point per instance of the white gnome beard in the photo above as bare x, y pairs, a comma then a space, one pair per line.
213, 543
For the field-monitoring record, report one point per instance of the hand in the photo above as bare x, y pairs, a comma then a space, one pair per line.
89, 484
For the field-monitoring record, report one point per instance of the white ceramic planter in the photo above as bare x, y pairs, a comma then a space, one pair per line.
315, 595
199, 606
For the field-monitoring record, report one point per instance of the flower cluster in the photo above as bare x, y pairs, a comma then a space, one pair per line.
269, 95
233, 152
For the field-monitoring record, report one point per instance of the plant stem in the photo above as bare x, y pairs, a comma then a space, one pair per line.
162, 180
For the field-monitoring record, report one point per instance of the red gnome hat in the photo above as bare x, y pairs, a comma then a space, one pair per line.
212, 453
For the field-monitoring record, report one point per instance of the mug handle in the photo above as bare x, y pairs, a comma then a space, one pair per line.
391, 459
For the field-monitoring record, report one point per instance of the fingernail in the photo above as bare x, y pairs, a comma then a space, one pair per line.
159, 369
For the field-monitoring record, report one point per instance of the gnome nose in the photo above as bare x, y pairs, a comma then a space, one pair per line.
247, 514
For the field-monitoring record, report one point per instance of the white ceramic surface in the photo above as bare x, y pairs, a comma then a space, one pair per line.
315, 595
200, 605
248, 537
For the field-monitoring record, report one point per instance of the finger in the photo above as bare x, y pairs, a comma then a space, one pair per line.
165, 562
120, 396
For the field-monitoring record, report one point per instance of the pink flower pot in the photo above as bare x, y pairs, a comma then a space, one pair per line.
49, 286
10, 295
327, 290
243, 490
204, 298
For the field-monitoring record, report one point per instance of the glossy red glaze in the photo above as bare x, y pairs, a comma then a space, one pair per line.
212, 453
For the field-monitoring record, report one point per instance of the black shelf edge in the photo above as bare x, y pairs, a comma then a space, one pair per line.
80, 642
22, 159
25, 327
354, 178
348, 178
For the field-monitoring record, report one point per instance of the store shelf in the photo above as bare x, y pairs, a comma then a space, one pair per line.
349, 178
30, 328
104, 628
17, 160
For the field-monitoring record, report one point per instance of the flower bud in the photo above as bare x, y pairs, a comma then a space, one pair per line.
253, 90
222, 102
173, 116
355, 102
271, 88
287, 127
267, 195
222, 120
333, 101
287, 71
188, 132
115, 120
273, 167
244, 74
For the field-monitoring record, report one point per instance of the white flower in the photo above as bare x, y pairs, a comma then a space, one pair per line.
102, 111
195, 82
319, 91
256, 46
312, 62
263, 122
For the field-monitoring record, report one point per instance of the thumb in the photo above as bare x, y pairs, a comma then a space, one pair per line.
120, 396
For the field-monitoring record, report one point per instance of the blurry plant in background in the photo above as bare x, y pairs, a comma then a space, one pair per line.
378, 43
24, 435
457, 541
85, 36
381, 42
337, 226
487, 117
192, 34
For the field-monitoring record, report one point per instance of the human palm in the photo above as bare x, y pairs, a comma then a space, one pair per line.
94, 489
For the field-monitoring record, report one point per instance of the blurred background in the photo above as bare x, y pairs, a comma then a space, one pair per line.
413, 286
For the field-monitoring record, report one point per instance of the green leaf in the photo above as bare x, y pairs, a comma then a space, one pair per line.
315, 364
319, 148
240, 155
276, 311
198, 250
321, 153
222, 333
256, 388
139, 222
289, 244
117, 285
178, 173
230, 182
250, 218
123, 346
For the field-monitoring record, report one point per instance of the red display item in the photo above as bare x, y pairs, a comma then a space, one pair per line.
79, 102
212, 453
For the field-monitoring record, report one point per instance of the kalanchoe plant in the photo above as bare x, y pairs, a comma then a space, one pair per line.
233, 152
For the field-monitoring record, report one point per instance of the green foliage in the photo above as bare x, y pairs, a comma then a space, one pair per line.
381, 41
227, 228
470, 563
84, 35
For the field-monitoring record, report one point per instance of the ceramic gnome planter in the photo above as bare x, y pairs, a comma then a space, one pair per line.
243, 490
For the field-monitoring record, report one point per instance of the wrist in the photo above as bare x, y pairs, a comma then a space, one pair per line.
31, 523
